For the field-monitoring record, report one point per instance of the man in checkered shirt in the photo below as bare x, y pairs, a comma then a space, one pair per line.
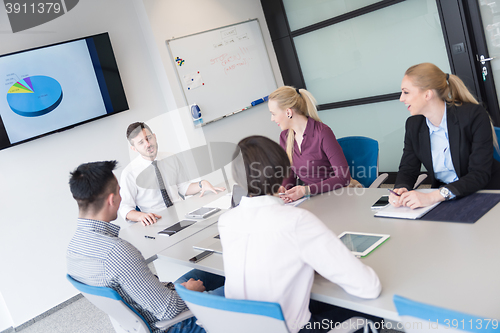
98, 257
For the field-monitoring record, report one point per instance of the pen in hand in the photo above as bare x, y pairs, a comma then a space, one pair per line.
394, 193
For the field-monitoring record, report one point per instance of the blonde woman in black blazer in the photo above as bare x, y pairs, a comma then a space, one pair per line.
429, 94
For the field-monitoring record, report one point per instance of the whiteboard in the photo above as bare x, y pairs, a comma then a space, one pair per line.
223, 70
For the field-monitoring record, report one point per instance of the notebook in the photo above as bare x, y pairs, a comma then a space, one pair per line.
406, 212
238, 193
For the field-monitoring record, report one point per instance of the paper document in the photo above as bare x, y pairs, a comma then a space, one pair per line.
296, 202
405, 212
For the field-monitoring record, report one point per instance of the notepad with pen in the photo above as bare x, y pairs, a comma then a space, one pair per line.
404, 212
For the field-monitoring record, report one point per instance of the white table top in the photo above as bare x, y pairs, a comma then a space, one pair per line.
135, 232
452, 265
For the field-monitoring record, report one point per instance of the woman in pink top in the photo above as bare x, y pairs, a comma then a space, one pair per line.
318, 162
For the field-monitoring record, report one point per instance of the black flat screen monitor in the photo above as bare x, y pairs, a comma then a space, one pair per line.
56, 87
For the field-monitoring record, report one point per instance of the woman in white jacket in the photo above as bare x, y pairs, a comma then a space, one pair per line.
271, 250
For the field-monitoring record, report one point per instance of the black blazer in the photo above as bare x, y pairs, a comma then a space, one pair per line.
471, 148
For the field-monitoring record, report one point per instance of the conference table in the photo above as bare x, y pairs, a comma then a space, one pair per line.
451, 265
146, 238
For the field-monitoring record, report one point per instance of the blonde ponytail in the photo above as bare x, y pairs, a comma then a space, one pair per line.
311, 103
290, 141
450, 88
458, 92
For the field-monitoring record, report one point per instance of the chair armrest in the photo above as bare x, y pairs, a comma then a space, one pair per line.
163, 324
380, 179
420, 179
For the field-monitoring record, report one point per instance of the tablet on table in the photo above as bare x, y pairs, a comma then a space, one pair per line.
361, 244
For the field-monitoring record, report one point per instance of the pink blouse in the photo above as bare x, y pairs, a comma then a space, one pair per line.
320, 163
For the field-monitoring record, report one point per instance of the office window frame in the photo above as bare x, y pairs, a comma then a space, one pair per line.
454, 26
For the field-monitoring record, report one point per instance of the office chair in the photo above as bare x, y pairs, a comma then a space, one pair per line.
361, 154
420, 317
123, 317
495, 152
218, 314
420, 179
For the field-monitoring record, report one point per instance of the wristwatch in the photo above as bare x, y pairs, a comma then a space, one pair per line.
308, 191
199, 183
445, 193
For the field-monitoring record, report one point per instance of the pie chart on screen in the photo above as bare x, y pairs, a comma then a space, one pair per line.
34, 96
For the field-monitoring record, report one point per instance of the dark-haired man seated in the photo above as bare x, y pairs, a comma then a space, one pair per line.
163, 184
98, 257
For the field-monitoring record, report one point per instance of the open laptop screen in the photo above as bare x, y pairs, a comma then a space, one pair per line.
238, 193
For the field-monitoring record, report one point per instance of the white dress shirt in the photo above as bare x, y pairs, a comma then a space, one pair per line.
271, 251
139, 185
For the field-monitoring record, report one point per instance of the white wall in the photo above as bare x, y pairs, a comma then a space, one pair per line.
169, 19
38, 213
5, 319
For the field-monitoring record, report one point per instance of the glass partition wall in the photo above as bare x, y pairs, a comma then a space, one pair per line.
352, 55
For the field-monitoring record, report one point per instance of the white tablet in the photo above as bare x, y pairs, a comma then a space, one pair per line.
360, 244
202, 212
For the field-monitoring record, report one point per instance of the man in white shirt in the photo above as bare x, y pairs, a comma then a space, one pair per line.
151, 181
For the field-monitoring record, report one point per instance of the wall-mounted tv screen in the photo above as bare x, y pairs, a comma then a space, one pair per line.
55, 87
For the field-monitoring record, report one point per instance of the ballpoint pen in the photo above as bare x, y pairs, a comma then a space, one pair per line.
394, 192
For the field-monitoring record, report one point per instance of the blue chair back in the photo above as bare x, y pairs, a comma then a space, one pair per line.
495, 152
123, 317
219, 314
420, 317
361, 154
